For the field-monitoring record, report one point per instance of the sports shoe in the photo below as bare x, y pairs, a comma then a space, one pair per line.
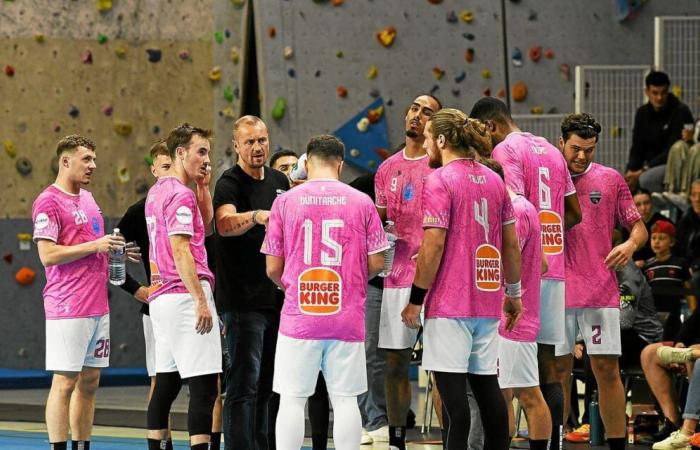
673, 355
581, 434
676, 441
380, 434
695, 441
366, 438
665, 431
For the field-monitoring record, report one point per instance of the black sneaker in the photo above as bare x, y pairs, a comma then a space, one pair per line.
665, 431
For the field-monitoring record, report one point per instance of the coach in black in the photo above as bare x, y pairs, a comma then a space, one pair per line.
249, 302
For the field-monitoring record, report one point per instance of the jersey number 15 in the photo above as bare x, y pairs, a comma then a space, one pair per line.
332, 258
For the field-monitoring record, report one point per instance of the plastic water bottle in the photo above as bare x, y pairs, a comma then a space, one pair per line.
117, 264
299, 170
596, 436
390, 231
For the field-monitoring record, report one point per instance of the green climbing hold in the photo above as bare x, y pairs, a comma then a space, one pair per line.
279, 109
219, 37
148, 159
102, 38
228, 93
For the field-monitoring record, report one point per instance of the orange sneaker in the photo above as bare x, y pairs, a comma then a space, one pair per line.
581, 434
695, 441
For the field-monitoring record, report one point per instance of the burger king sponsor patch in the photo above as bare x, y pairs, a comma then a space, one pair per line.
320, 291
552, 232
488, 268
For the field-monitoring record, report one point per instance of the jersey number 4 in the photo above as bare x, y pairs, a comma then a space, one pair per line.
334, 257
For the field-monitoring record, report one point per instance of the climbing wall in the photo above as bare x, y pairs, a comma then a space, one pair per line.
677, 51
545, 125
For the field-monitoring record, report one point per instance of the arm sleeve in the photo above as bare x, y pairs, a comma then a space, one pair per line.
436, 203
512, 167
636, 157
226, 192
273, 244
46, 219
179, 213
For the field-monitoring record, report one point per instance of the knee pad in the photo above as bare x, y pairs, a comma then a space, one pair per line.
164, 394
203, 392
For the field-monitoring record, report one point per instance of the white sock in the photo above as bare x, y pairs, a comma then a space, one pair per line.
290, 423
347, 423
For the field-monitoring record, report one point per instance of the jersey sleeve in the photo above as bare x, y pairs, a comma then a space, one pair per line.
507, 212
512, 167
273, 244
46, 219
570, 188
227, 192
436, 203
179, 213
626, 213
376, 237
380, 187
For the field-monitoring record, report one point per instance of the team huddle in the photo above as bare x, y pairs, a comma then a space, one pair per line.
503, 256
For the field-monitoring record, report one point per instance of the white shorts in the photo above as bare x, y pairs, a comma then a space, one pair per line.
179, 348
600, 328
298, 361
552, 306
460, 345
72, 344
393, 333
150, 341
517, 364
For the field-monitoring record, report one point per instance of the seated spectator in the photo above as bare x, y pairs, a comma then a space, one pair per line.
683, 164
657, 125
642, 199
668, 275
659, 375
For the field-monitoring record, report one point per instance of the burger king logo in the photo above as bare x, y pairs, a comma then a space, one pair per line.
156, 279
488, 268
320, 291
552, 233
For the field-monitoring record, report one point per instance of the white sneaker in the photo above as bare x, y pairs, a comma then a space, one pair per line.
366, 438
380, 434
676, 441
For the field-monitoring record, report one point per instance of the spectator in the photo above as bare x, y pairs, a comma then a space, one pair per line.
284, 161
657, 125
642, 199
688, 233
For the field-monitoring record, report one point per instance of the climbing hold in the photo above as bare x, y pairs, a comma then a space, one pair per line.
354, 153
107, 110
486, 73
565, 72
338, 2
549, 53
371, 163
219, 37
616, 131
438, 73
9, 147
433, 90
87, 57
25, 241
291, 72
386, 36
120, 51
227, 33
487, 92
363, 125
339, 54
536, 110
390, 102
7, 257
228, 93
452, 17
382, 153
271, 32
238, 3
460, 77
215, 74
317, 74
501, 93
236, 92
73, 111
374, 93
148, 159
23, 166
435, 2
553, 110
288, 52
469, 55
235, 55
519, 91
279, 108
22, 352
123, 175
467, 16
373, 115
228, 113
102, 38
154, 55
517, 57
104, 5
25, 276
372, 73
468, 36
54, 165
535, 53
341, 91
456, 92
122, 128
39, 38
183, 55
156, 129
677, 90
532, 16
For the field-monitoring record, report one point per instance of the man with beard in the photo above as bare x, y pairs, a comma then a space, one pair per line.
536, 170
248, 300
398, 187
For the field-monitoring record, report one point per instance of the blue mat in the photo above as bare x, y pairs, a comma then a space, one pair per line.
111, 376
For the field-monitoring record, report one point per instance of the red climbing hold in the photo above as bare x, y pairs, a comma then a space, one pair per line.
87, 57
487, 92
8, 258
341, 91
9, 70
469, 55
549, 54
271, 32
535, 53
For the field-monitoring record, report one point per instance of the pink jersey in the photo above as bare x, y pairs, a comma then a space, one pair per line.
527, 225
78, 288
324, 230
605, 201
171, 208
398, 185
536, 169
471, 202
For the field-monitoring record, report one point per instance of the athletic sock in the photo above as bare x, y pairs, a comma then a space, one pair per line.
617, 443
554, 397
169, 444
539, 444
216, 440
81, 445
319, 441
202, 446
397, 437
58, 445
158, 444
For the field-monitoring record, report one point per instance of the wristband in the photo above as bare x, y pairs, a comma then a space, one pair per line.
417, 295
255, 215
514, 290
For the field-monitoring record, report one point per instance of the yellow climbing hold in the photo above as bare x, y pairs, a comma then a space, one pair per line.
120, 51
9, 147
215, 74
467, 16
616, 131
123, 175
486, 73
372, 73
677, 90
104, 5
39, 38
235, 55
228, 113
122, 128
537, 110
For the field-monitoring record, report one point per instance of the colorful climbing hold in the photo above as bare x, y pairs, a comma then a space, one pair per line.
227, 33
435, 2
123, 175
616, 131
288, 52
549, 53
7, 257
238, 3
438, 73
154, 54
536, 110
372, 73
382, 153
532, 15
215, 74
120, 51
107, 110
341, 91
467, 16
272, 32
39, 37
9, 147
486, 73
338, 2
87, 57
148, 159
468, 36
23, 166
9, 70
363, 125
456, 92
279, 108
291, 72
386, 36
469, 55
25, 276
122, 128
487, 92
535, 53
452, 17
374, 93
317, 73
354, 153
155, 129
219, 37
228, 113
460, 77
339, 54
228, 93
517, 57
373, 115
104, 5
565, 72
235, 55
183, 54
73, 111
519, 91
102, 38
501, 93
433, 90
56, 127
677, 90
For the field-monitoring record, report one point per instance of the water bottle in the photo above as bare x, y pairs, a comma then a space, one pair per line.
298, 172
117, 264
389, 253
596, 436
